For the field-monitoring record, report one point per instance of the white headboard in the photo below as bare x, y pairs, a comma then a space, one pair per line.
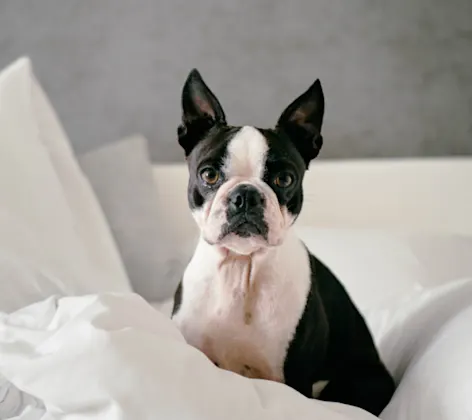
415, 195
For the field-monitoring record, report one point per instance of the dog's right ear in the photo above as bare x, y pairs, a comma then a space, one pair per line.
200, 111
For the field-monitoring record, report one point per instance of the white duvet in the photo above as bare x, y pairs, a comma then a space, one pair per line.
115, 357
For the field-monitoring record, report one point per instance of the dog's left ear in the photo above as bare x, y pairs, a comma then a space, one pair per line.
302, 121
201, 110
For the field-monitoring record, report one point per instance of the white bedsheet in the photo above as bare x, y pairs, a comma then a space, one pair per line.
115, 357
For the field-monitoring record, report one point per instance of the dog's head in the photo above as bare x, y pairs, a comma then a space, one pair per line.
245, 184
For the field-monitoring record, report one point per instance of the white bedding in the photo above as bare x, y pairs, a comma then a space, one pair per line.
114, 357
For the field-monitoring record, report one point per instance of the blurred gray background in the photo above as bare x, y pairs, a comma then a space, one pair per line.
397, 75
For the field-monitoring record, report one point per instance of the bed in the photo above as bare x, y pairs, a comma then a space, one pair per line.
80, 336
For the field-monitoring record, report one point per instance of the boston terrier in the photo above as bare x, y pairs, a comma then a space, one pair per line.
253, 298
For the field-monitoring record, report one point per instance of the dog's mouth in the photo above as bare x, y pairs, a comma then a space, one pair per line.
245, 226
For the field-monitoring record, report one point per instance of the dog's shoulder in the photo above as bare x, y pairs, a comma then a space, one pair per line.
329, 292
326, 284
329, 327
346, 324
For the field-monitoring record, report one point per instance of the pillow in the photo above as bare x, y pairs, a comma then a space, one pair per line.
437, 383
122, 177
53, 236
406, 327
377, 267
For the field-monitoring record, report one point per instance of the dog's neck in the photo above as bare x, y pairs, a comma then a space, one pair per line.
230, 278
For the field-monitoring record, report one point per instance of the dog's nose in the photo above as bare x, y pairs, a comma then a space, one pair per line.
244, 198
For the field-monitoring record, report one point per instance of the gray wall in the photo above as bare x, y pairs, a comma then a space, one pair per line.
397, 74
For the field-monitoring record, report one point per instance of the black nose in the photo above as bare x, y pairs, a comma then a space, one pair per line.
244, 198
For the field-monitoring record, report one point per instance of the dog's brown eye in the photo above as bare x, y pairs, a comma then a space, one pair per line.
283, 180
210, 176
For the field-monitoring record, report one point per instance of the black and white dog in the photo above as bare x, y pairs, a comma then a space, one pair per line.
253, 298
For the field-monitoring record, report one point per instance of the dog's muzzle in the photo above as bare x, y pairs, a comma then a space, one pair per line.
245, 213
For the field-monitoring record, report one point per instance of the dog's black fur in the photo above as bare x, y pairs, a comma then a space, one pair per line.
332, 343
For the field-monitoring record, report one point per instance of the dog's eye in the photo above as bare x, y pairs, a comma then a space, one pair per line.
283, 180
210, 176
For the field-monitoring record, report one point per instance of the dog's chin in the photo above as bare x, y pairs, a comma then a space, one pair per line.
246, 244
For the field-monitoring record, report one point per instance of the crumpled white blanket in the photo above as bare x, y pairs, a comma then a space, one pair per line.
114, 357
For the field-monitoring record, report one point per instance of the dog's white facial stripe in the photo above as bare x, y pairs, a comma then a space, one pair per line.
247, 153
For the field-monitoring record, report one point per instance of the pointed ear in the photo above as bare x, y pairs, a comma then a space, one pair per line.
200, 111
302, 121
198, 101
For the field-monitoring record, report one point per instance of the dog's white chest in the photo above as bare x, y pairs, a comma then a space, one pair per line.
243, 313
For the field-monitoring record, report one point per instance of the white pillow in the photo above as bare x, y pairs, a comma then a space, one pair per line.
437, 384
53, 235
377, 267
152, 252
